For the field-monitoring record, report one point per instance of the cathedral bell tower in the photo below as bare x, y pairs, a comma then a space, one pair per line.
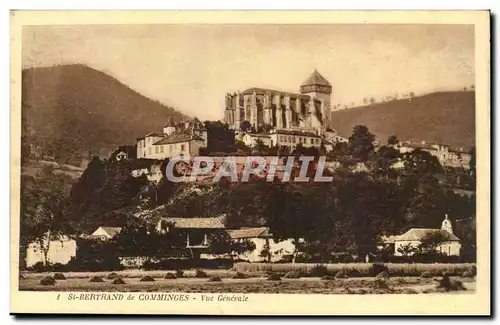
320, 89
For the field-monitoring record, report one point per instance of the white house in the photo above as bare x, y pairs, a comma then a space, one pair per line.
60, 251
413, 238
261, 237
291, 138
181, 139
250, 139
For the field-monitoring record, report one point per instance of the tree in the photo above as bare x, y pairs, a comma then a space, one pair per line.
372, 100
431, 241
407, 250
220, 243
266, 252
361, 143
472, 163
392, 140
41, 219
245, 126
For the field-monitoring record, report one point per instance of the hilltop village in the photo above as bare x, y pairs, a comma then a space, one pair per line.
390, 200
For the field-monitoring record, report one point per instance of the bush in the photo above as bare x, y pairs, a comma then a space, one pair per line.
382, 275
96, 279
450, 285
58, 267
468, 274
59, 276
292, 275
215, 279
48, 281
328, 278
340, 275
380, 284
273, 277
147, 278
169, 275
200, 274
318, 271
179, 273
112, 275
354, 273
239, 275
426, 275
376, 268
39, 267
118, 281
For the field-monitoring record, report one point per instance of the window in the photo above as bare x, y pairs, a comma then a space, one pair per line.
183, 147
294, 139
281, 138
156, 149
290, 139
312, 141
161, 149
317, 141
170, 148
150, 150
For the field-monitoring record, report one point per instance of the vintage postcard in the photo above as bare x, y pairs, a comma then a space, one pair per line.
250, 163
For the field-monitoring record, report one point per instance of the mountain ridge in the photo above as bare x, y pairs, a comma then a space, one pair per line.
446, 117
84, 110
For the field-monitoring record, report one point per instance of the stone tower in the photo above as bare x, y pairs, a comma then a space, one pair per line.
319, 88
446, 225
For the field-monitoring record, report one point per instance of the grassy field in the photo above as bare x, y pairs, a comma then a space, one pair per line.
251, 284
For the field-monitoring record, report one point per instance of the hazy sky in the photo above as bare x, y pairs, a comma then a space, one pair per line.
192, 67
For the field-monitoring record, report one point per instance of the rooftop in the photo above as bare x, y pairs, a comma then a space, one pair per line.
417, 234
178, 137
263, 91
259, 232
316, 79
197, 223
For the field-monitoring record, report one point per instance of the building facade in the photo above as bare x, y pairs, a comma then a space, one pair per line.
177, 139
448, 157
308, 109
450, 245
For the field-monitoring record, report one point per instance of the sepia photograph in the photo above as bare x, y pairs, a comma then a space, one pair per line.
182, 161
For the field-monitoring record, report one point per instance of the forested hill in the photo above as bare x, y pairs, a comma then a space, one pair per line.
72, 109
443, 117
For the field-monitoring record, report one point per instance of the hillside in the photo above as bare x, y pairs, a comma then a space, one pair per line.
73, 109
444, 117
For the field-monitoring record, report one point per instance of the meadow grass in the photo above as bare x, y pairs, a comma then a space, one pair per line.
362, 269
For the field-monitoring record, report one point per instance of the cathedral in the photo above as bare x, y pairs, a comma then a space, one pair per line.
308, 110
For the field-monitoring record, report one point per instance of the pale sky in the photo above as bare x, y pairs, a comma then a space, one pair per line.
192, 67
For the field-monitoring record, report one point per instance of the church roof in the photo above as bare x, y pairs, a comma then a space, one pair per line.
263, 91
316, 79
417, 234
